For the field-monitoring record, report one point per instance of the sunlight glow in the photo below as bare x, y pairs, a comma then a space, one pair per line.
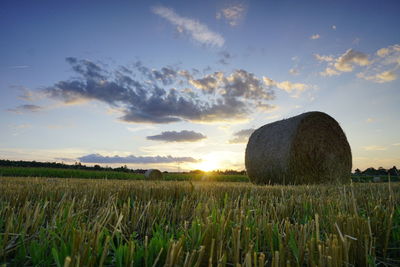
210, 162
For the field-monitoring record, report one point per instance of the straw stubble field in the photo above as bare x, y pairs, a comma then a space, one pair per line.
82, 222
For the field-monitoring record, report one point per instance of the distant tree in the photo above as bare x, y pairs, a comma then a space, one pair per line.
370, 171
357, 171
97, 167
382, 171
393, 171
196, 172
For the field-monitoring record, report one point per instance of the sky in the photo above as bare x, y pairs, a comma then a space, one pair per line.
181, 85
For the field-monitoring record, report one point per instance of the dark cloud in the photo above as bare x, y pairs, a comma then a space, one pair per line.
166, 75
239, 84
97, 158
25, 109
242, 136
173, 136
148, 95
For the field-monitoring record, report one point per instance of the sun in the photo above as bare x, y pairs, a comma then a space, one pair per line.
209, 163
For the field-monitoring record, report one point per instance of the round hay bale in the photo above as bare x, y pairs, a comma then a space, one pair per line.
153, 174
306, 149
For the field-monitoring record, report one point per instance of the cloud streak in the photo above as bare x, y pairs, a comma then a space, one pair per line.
375, 148
195, 29
383, 77
173, 136
98, 158
28, 108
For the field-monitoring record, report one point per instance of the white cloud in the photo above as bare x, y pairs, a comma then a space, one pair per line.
324, 58
383, 77
233, 15
197, 30
350, 58
390, 55
295, 89
343, 63
381, 67
315, 37
383, 52
329, 72
385, 67
291, 87
369, 120
268, 81
396, 144
334, 27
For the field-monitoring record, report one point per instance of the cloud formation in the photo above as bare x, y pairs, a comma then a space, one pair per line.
173, 136
329, 72
322, 58
233, 14
241, 136
151, 96
343, 63
195, 29
385, 67
294, 89
28, 108
381, 67
97, 158
375, 148
383, 77
350, 58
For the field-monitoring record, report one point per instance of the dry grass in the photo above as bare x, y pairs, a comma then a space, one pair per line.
73, 222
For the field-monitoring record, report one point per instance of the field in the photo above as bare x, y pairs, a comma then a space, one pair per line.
92, 174
85, 222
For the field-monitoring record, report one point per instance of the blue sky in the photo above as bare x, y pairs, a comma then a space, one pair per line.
180, 85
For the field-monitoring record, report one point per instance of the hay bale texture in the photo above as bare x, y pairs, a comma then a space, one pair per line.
153, 174
306, 149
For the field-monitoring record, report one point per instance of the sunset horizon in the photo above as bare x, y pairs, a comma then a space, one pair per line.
181, 86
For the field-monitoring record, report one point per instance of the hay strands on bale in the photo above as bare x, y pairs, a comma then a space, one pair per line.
310, 148
153, 174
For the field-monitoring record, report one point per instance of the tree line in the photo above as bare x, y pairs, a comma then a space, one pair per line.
57, 165
79, 166
378, 172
